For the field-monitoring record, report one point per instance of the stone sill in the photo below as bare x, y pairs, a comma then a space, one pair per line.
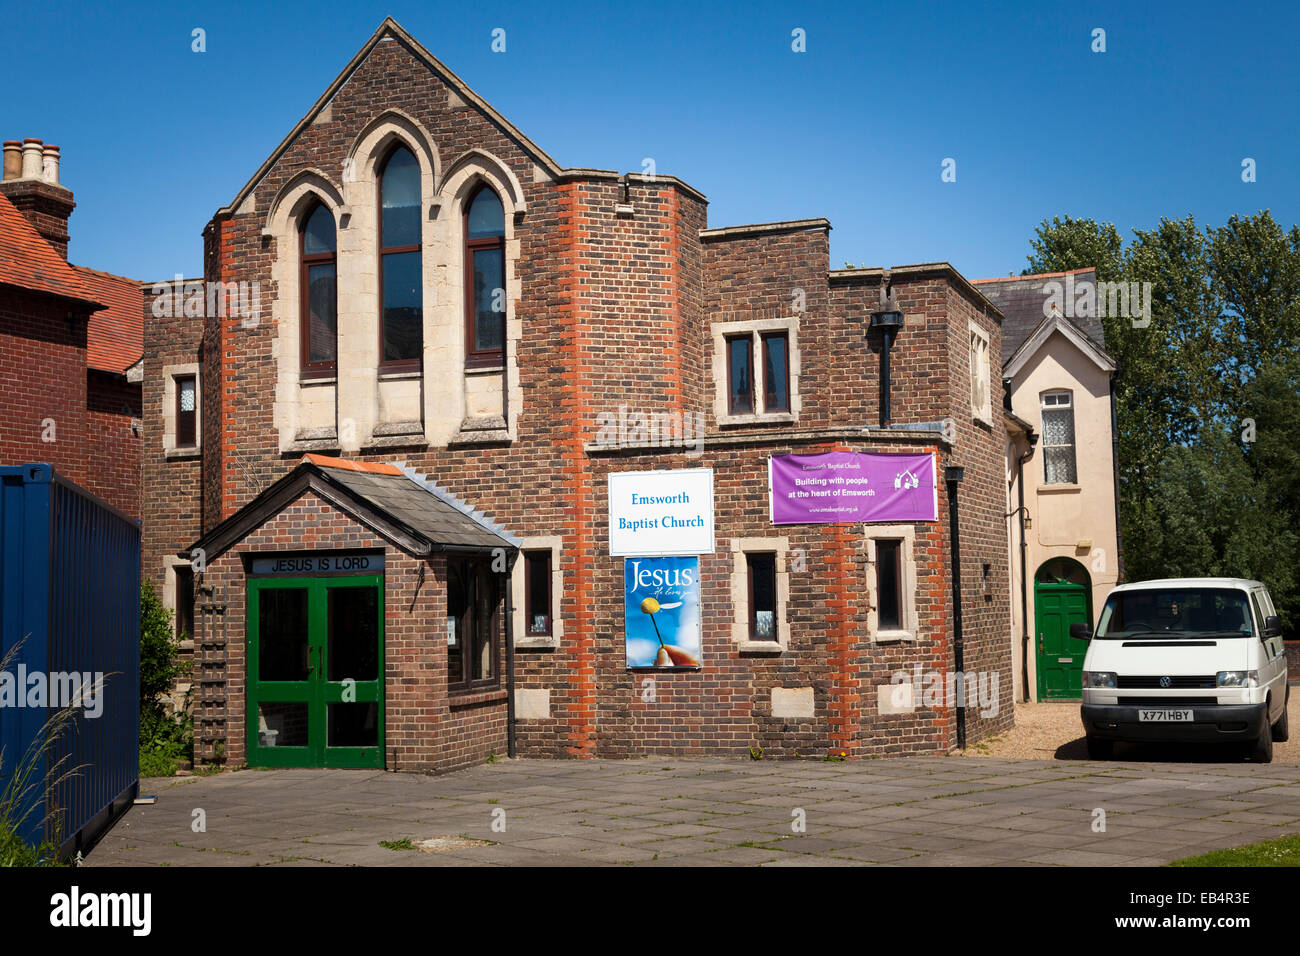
398, 430
882, 637
307, 381
458, 700
536, 644
484, 370
765, 418
1059, 489
766, 648
310, 445
495, 432
400, 376
379, 442
180, 454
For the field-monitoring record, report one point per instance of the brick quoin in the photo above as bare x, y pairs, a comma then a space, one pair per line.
616, 309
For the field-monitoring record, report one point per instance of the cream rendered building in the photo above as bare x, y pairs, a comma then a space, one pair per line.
1061, 472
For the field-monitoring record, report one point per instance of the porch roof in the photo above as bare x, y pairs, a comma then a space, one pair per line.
397, 503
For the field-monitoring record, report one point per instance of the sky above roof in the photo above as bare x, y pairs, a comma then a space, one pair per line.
156, 137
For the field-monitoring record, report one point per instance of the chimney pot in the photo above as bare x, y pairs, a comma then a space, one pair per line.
50, 164
13, 167
32, 158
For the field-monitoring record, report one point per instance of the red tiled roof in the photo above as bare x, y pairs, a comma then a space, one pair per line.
350, 464
115, 335
29, 262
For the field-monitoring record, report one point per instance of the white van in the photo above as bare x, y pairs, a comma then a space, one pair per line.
1185, 659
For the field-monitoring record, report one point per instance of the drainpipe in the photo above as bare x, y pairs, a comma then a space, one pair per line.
1024, 580
510, 661
1114, 467
953, 475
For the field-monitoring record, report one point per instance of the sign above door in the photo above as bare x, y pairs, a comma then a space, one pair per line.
322, 563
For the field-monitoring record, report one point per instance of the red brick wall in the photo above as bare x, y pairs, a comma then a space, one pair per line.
114, 439
43, 367
170, 485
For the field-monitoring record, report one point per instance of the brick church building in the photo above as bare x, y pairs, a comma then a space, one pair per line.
453, 405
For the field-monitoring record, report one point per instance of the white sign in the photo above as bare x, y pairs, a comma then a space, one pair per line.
661, 512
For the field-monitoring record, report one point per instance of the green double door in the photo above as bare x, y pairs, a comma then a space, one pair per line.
1057, 605
315, 671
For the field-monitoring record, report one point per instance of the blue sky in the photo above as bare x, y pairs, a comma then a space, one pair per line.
156, 137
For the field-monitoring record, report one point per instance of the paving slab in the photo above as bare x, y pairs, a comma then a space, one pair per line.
912, 811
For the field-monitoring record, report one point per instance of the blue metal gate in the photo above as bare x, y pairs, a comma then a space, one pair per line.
69, 603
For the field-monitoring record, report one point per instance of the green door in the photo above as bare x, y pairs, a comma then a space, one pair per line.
1062, 596
315, 672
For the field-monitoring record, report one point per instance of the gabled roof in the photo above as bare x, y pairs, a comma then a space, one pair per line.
29, 262
396, 504
114, 335
1056, 323
1021, 300
390, 28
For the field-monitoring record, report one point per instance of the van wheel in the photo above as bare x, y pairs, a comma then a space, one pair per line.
1100, 749
1282, 729
1262, 752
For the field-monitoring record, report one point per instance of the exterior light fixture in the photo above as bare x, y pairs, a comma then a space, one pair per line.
888, 318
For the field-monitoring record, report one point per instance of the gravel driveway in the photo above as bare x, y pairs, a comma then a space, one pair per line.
1053, 730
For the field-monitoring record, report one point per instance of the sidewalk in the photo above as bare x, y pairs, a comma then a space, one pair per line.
916, 811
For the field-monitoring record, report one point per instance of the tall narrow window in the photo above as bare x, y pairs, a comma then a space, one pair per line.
1059, 464
889, 592
473, 600
776, 372
762, 596
485, 279
317, 280
186, 411
184, 620
401, 288
981, 401
740, 375
537, 592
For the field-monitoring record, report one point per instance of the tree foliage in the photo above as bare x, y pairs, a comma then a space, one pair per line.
1209, 443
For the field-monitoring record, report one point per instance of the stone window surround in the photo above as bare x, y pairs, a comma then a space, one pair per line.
169, 375
355, 390
555, 544
170, 563
721, 332
740, 547
906, 533
985, 413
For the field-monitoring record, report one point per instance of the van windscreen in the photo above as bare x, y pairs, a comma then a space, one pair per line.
1176, 613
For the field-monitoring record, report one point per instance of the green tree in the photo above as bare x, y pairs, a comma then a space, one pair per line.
1200, 491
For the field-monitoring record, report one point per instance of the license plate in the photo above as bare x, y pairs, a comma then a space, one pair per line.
1165, 716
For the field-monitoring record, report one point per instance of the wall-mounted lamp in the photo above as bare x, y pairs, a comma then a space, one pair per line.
888, 318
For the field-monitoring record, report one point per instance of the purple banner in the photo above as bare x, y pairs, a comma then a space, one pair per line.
844, 486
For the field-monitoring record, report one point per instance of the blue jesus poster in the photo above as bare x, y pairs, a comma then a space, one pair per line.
661, 598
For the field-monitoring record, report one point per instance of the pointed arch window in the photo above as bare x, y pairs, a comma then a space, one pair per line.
485, 279
318, 281
401, 285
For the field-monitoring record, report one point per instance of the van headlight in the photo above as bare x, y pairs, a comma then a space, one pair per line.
1099, 679
1237, 679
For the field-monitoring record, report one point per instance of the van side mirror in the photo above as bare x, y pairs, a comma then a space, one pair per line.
1081, 631
1272, 625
